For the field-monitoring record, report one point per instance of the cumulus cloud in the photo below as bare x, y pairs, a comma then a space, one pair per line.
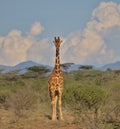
15, 48
106, 16
112, 39
96, 44
90, 45
41, 51
36, 29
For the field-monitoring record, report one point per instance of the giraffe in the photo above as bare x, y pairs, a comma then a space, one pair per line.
55, 83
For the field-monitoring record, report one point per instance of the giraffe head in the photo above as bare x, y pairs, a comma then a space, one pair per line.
57, 42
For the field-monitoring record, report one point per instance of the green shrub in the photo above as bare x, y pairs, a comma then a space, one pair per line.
89, 95
85, 92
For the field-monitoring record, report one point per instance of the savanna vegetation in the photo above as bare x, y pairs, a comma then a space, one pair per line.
91, 100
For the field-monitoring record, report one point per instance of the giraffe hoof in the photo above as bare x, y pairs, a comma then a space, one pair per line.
54, 119
61, 118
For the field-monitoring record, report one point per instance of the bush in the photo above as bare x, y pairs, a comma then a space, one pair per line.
89, 95
2, 98
21, 101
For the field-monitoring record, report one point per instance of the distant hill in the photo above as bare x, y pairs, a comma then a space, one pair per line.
21, 67
4, 67
74, 67
26, 64
69, 67
113, 66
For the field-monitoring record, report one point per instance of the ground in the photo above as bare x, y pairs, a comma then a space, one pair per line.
36, 121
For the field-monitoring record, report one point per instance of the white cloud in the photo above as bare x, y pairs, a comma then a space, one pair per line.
41, 51
36, 29
15, 48
93, 45
90, 45
106, 16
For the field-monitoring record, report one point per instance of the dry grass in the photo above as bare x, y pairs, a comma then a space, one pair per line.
20, 109
36, 119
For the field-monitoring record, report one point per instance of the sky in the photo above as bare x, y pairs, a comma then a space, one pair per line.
90, 31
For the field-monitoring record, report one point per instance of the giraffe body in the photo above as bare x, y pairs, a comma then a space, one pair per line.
55, 83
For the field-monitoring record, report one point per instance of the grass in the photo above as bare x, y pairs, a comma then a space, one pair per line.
90, 101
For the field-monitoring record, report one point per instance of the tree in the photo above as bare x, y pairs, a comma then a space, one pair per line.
66, 66
86, 67
39, 70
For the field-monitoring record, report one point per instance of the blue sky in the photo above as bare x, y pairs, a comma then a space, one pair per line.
90, 31
58, 17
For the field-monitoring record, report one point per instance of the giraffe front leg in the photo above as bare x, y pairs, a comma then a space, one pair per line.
60, 106
53, 110
53, 104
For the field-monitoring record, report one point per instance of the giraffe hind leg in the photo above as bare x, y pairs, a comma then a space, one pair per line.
56, 111
57, 96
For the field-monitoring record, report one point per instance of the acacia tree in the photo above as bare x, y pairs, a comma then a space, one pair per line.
39, 70
66, 66
86, 67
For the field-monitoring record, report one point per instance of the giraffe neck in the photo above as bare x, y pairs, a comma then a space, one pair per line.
57, 62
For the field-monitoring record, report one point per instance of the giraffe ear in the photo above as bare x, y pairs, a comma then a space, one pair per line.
60, 40
54, 40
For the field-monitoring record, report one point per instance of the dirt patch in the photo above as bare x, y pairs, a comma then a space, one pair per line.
36, 121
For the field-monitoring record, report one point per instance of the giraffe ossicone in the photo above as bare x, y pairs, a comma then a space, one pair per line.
55, 83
